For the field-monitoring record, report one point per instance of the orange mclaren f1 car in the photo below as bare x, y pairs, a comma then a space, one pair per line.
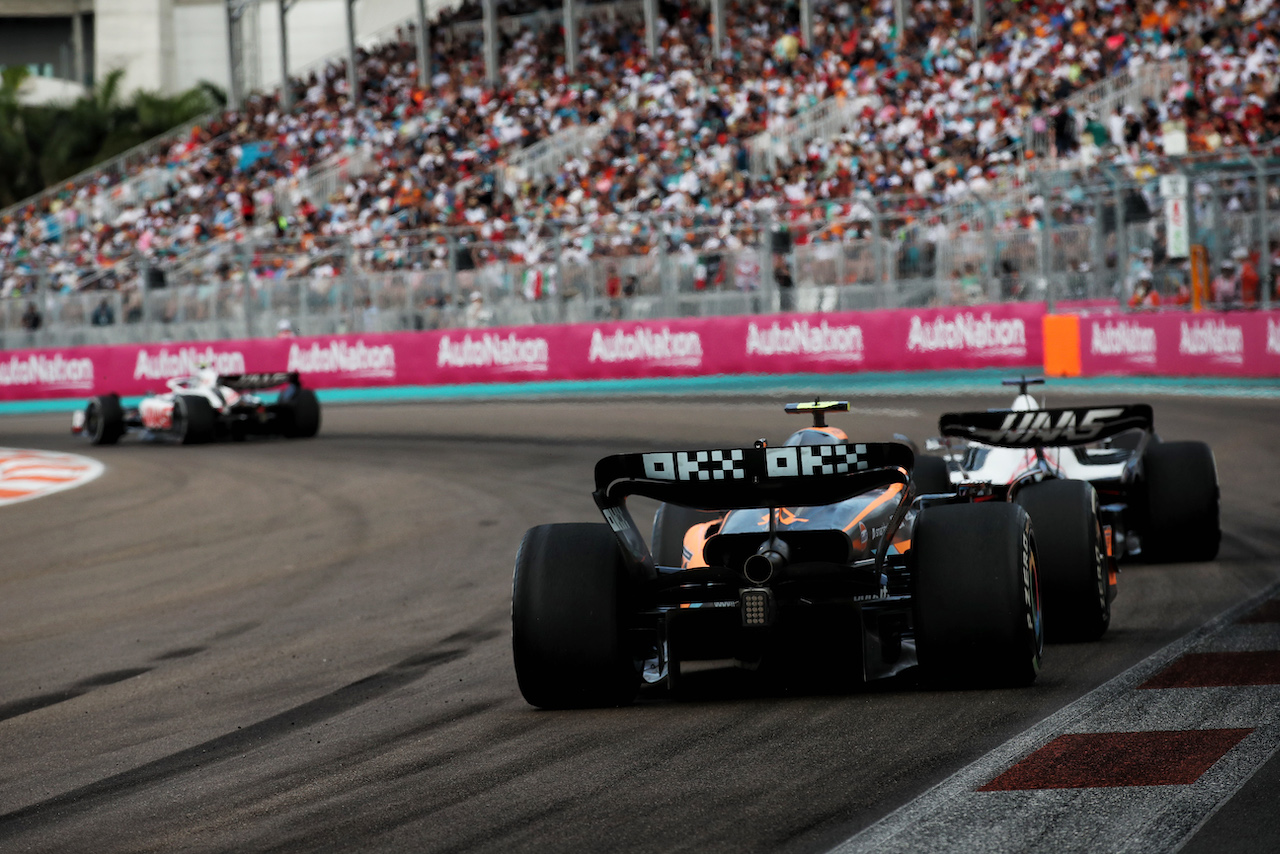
815, 550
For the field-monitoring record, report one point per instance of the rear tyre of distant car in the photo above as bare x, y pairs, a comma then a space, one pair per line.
1074, 575
300, 413
670, 524
977, 602
1181, 483
104, 419
569, 596
194, 421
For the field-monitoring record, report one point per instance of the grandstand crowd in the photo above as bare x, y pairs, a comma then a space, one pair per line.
937, 111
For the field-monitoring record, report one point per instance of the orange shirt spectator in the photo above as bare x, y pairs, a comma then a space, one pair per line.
1249, 281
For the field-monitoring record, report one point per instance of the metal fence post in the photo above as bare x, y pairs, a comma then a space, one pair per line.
144, 285
453, 265
1099, 249
1046, 240
1220, 252
992, 281
878, 257
1264, 233
1264, 257
1122, 234
667, 276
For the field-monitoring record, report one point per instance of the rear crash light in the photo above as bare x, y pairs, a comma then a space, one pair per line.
757, 607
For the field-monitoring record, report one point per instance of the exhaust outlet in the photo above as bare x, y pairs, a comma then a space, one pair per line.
770, 560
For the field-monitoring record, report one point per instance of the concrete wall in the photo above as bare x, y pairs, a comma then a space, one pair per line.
317, 30
137, 36
171, 45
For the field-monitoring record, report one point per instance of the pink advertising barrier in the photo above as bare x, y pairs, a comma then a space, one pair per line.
1220, 344
891, 340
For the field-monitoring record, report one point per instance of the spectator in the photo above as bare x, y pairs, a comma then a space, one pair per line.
1226, 286
613, 284
32, 320
1249, 278
133, 308
284, 328
1144, 293
476, 314
929, 112
103, 314
786, 286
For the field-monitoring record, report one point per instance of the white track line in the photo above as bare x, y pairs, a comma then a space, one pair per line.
954, 816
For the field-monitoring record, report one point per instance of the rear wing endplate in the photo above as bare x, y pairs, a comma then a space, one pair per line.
1060, 427
257, 382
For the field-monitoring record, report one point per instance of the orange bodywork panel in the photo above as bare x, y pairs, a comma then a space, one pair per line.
694, 539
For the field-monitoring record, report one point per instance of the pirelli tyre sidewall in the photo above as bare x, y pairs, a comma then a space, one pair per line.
194, 421
670, 524
1073, 567
1181, 522
104, 419
568, 606
977, 605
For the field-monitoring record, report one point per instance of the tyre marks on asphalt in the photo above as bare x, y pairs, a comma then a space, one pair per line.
33, 703
27, 474
231, 744
1139, 764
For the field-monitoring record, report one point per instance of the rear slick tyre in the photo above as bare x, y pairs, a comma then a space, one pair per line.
194, 420
1074, 583
301, 414
1182, 492
567, 608
977, 601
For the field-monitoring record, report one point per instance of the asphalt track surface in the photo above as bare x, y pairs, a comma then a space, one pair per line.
283, 646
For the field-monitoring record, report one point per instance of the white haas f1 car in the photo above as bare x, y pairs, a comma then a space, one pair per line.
815, 552
205, 408
1099, 486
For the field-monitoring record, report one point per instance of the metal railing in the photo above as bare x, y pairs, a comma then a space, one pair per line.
545, 157
825, 119
1128, 87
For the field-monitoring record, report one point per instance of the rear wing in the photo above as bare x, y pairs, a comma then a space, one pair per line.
1060, 427
257, 382
740, 478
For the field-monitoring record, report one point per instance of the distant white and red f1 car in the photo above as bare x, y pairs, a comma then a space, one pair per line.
1099, 486
206, 407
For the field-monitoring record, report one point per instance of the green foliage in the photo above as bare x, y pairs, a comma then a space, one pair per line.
45, 144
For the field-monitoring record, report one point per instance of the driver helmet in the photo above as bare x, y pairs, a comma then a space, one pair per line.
817, 436
207, 375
